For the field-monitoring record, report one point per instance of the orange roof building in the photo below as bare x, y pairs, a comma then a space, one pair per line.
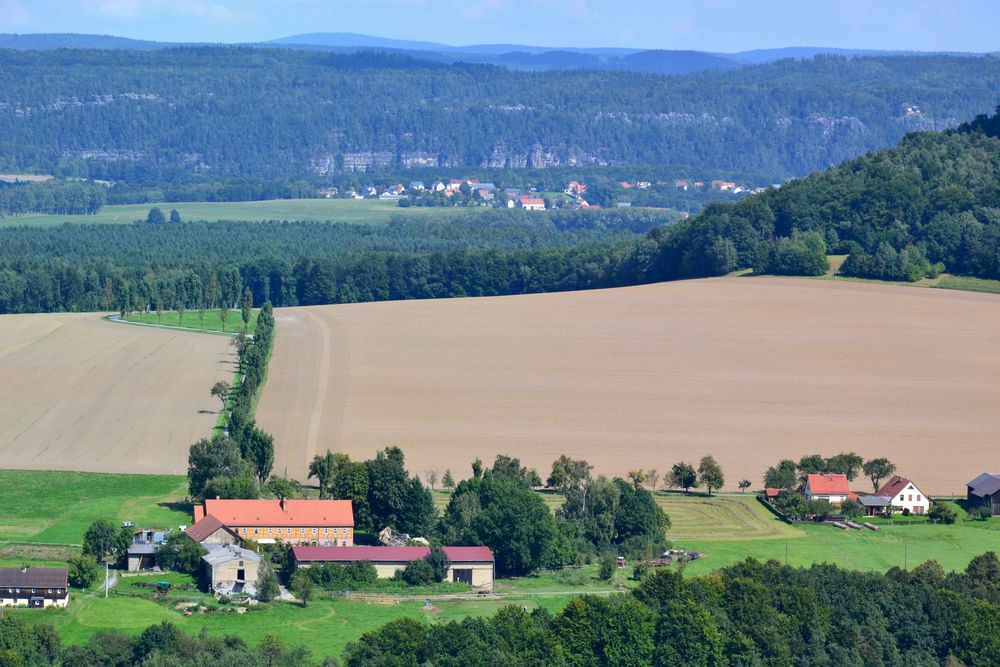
322, 522
832, 487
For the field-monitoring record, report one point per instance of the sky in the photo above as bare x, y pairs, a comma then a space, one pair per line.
706, 25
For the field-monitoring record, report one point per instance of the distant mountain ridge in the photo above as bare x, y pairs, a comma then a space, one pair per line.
511, 56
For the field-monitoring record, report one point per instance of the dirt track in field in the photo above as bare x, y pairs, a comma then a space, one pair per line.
79, 393
748, 369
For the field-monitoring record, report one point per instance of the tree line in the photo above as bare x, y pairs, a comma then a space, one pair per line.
57, 196
751, 613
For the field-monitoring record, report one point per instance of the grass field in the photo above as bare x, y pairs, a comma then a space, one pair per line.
57, 507
80, 393
368, 211
192, 320
748, 370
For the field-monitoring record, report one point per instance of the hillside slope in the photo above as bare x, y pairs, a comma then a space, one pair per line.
268, 113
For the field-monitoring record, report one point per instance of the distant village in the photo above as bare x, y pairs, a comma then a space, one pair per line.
473, 192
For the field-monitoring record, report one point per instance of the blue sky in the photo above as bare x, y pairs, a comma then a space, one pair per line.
711, 25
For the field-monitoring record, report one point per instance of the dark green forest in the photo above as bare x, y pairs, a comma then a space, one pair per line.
930, 204
746, 615
212, 112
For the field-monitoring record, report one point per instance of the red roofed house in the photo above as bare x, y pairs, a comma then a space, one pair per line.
829, 486
531, 204
212, 531
328, 522
470, 565
905, 494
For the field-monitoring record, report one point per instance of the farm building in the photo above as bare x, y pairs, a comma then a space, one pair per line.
875, 505
230, 569
326, 522
827, 486
985, 490
34, 587
531, 204
212, 531
905, 494
471, 565
142, 551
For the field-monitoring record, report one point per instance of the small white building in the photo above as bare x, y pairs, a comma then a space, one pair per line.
474, 566
905, 495
531, 204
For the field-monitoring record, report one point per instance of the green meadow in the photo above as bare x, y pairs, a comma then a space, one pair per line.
365, 211
192, 320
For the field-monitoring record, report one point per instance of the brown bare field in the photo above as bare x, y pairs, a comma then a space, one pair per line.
747, 369
79, 393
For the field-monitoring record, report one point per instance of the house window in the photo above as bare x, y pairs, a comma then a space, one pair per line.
918, 497
270, 531
241, 563
315, 531
911, 497
326, 531
256, 530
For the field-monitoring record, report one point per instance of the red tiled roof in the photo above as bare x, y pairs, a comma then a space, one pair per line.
388, 554
826, 485
893, 486
199, 513
274, 513
204, 528
525, 201
772, 493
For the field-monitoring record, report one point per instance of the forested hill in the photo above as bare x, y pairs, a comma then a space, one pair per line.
259, 113
932, 203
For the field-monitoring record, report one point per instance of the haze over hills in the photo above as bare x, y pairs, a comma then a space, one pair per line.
514, 56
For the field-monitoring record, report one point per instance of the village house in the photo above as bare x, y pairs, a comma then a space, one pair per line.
230, 569
681, 185
827, 486
531, 204
212, 531
985, 491
34, 587
724, 186
576, 189
905, 495
470, 565
329, 522
417, 186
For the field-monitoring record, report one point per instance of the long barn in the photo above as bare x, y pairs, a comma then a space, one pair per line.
470, 565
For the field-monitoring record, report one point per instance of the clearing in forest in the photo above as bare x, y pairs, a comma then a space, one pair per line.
750, 370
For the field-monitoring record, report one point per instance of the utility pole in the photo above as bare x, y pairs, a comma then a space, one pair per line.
106, 570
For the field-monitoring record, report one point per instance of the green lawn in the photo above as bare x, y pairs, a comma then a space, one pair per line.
368, 211
969, 284
192, 320
57, 507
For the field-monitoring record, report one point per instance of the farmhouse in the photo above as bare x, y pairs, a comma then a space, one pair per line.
985, 490
230, 569
905, 494
827, 486
470, 565
328, 522
531, 204
33, 587
212, 531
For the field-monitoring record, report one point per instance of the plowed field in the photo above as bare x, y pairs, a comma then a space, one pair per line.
79, 393
748, 369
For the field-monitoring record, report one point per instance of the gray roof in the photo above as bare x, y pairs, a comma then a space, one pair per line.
985, 485
224, 553
875, 501
142, 549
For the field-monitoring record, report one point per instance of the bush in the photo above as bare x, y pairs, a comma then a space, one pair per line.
942, 513
983, 512
418, 573
640, 570
607, 567
83, 571
439, 563
852, 509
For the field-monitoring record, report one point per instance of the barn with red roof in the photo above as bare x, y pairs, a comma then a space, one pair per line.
328, 522
470, 565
